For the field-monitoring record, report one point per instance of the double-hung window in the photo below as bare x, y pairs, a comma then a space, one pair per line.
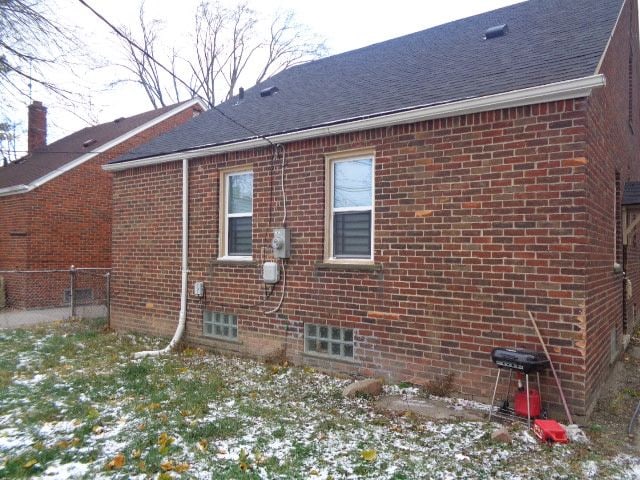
350, 211
238, 214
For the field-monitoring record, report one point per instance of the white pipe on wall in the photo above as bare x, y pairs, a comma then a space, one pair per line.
182, 319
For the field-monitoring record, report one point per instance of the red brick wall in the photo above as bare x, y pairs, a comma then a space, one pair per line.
477, 220
66, 221
612, 145
13, 245
37, 129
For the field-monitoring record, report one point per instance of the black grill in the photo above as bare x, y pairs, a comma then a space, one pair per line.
525, 361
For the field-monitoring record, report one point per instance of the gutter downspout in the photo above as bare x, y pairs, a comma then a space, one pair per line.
182, 319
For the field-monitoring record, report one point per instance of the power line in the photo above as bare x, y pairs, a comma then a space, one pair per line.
173, 75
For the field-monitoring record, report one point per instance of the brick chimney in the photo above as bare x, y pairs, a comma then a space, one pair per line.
37, 126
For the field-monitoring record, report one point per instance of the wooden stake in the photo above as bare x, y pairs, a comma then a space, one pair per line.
553, 370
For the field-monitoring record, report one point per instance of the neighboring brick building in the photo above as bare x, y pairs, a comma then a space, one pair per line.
438, 187
55, 203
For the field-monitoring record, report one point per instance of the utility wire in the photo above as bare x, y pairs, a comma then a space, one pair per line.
275, 147
173, 75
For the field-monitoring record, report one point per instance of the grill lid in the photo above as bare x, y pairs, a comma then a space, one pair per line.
526, 361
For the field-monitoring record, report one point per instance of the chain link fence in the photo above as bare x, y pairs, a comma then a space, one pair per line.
72, 293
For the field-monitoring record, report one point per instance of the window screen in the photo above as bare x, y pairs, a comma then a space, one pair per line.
352, 208
239, 205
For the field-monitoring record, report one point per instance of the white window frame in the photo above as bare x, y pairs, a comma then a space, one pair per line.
225, 215
331, 160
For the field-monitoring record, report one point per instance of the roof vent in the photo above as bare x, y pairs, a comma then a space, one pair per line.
89, 142
118, 120
497, 31
267, 92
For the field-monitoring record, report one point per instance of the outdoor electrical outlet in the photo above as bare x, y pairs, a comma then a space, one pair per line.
281, 243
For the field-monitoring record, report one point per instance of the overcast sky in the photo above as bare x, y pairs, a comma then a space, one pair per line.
345, 24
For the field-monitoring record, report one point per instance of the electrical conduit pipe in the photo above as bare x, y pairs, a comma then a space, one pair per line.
182, 319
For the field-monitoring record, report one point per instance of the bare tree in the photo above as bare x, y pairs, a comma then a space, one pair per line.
288, 45
29, 41
7, 143
139, 62
227, 46
242, 46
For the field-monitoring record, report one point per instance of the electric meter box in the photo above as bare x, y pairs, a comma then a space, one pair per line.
281, 243
198, 289
270, 272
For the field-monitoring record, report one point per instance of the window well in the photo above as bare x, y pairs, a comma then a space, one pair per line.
328, 340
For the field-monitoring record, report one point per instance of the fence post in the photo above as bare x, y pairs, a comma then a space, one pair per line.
108, 300
72, 290
3, 298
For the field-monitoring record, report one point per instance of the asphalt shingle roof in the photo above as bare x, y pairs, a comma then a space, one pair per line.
57, 154
631, 195
548, 41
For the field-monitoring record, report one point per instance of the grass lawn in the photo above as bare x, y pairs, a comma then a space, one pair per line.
74, 405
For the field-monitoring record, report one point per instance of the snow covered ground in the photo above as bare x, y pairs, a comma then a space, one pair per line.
74, 405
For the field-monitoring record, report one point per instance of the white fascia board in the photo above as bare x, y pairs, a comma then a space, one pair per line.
103, 148
564, 90
13, 190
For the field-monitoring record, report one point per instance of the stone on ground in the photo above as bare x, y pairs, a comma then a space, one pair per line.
429, 408
501, 435
576, 435
370, 386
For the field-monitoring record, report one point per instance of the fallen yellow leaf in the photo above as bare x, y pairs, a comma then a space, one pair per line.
30, 463
259, 458
182, 467
62, 444
117, 462
203, 444
167, 466
164, 442
136, 453
369, 455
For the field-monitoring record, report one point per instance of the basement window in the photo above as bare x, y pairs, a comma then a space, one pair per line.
328, 341
220, 325
350, 212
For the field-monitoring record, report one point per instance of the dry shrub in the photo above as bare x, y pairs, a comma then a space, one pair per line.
441, 386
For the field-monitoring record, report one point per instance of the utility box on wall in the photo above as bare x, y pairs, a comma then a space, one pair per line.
281, 243
198, 289
270, 272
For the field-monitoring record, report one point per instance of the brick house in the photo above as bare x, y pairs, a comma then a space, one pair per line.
55, 203
436, 187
